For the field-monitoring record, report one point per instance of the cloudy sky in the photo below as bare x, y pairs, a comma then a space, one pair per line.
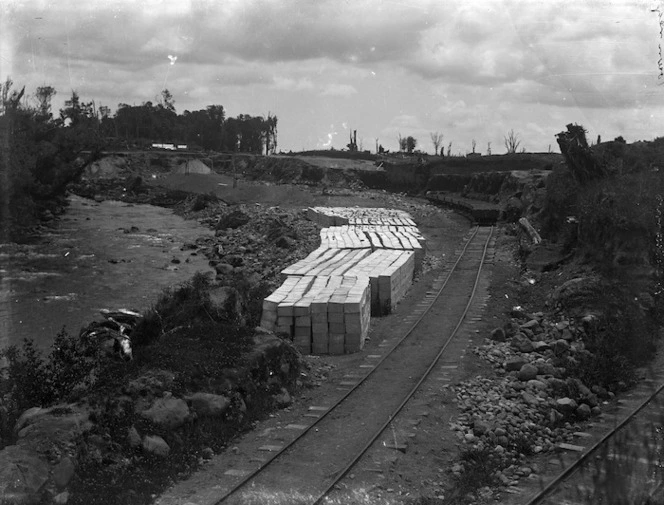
467, 69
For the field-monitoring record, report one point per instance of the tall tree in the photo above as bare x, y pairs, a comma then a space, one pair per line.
44, 95
411, 142
167, 101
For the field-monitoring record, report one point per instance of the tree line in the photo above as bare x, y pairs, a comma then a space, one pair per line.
42, 152
207, 128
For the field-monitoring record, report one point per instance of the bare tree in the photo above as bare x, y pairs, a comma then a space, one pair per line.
449, 149
512, 142
474, 144
436, 140
402, 143
376, 145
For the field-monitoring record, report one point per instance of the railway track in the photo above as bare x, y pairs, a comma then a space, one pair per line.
330, 441
624, 463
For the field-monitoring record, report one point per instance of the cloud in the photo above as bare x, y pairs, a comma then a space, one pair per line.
338, 90
290, 84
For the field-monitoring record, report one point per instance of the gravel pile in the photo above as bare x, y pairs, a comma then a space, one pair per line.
533, 404
257, 241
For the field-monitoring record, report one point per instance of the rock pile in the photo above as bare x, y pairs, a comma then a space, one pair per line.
255, 242
533, 405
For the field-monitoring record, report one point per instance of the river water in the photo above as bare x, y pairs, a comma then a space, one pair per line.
99, 255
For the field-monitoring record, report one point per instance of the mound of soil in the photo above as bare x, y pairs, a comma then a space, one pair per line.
193, 167
109, 167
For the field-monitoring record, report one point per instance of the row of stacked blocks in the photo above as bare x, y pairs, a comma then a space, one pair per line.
362, 269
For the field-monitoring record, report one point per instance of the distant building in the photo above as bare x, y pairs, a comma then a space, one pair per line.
170, 147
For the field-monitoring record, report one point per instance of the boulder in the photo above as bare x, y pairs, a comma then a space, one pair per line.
63, 472
498, 335
133, 437
600, 391
537, 384
566, 405
574, 293
154, 444
514, 364
224, 268
545, 368
532, 325
283, 398
560, 347
558, 386
170, 413
541, 346
480, 427
567, 335
208, 404
529, 398
583, 411
555, 416
527, 372
54, 428
511, 328
22, 475
562, 325
61, 498
521, 343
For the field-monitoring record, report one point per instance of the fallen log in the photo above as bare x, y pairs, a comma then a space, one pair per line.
532, 232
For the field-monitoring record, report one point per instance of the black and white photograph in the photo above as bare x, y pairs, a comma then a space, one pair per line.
331, 252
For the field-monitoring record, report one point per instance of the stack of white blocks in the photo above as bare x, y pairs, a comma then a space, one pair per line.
364, 266
390, 274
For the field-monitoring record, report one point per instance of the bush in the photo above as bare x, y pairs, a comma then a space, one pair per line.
30, 380
622, 339
479, 470
312, 174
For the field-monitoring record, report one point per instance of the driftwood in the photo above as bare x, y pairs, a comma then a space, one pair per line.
532, 232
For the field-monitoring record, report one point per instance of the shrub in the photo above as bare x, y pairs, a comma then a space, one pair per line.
30, 380
312, 174
621, 340
188, 311
479, 470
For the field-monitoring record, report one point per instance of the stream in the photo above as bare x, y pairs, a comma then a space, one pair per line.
98, 255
